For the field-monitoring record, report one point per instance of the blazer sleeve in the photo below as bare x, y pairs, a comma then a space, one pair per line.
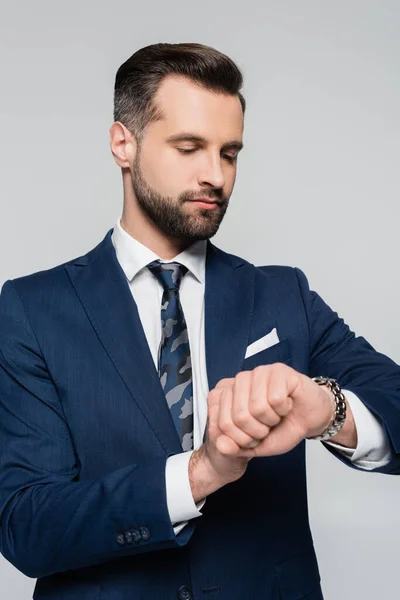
335, 351
50, 521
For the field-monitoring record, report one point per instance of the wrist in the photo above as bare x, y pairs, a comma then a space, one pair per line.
203, 479
204, 476
347, 436
326, 410
330, 409
338, 401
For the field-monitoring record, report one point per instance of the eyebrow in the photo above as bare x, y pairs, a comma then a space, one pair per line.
192, 137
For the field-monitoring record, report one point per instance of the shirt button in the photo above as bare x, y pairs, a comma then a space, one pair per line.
185, 593
120, 539
144, 533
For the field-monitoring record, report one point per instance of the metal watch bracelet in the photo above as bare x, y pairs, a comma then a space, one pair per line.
339, 412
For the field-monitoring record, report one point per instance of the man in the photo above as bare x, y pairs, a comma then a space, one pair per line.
111, 485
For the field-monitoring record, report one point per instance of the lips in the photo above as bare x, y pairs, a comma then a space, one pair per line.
206, 200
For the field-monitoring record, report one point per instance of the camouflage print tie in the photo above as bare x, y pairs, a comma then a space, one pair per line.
174, 364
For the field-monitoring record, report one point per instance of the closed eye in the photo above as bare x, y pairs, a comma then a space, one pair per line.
187, 150
228, 157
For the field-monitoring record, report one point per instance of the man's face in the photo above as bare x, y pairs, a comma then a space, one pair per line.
191, 153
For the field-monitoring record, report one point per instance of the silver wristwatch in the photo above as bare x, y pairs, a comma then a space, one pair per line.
339, 415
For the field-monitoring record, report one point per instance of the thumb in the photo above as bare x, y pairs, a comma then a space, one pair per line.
281, 439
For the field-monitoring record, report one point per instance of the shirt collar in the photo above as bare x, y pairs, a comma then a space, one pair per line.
133, 256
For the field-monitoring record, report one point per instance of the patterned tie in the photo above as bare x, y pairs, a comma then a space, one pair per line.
174, 364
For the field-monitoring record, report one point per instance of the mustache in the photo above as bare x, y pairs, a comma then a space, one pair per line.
213, 194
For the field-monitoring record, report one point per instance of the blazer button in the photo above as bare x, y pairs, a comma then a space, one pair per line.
145, 534
120, 539
185, 593
128, 537
136, 535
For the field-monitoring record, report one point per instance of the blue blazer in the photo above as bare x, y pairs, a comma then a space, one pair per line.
85, 433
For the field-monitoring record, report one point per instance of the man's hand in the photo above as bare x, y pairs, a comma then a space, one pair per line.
268, 411
263, 412
210, 469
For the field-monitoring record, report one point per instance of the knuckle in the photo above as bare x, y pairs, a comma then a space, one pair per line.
222, 383
241, 417
225, 425
280, 366
257, 406
276, 400
261, 369
219, 444
265, 431
213, 394
242, 376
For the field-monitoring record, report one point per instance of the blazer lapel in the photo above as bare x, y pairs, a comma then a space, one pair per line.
104, 292
229, 298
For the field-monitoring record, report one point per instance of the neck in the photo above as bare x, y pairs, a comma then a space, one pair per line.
137, 224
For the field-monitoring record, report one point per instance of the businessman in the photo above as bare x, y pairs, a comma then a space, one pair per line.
157, 392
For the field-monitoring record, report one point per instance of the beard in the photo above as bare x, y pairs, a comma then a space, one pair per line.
170, 215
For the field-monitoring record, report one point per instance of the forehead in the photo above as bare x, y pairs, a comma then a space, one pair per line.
187, 106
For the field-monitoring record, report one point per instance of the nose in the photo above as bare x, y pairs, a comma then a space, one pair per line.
212, 174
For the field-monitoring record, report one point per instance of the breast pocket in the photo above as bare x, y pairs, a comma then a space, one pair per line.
280, 352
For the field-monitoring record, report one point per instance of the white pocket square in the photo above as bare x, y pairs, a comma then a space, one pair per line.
261, 344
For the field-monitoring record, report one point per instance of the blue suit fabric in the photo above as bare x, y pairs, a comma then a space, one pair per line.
85, 432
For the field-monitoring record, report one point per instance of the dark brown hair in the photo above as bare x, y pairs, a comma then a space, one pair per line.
138, 79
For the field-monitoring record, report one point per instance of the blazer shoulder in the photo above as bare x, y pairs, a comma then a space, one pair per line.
285, 275
45, 280
284, 271
264, 270
39, 281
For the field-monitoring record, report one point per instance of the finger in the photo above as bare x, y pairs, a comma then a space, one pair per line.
226, 382
224, 444
225, 423
279, 387
212, 413
227, 446
259, 405
213, 400
241, 415
281, 439
253, 444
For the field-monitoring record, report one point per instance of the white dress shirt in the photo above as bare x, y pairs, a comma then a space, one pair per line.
372, 449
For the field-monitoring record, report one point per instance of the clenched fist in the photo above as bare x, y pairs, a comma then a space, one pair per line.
263, 412
267, 411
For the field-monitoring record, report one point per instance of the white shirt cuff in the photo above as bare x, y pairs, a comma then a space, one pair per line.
181, 506
373, 448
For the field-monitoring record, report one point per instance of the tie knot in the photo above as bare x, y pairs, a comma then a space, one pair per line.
168, 274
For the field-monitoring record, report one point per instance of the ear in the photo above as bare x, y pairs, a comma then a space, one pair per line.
123, 145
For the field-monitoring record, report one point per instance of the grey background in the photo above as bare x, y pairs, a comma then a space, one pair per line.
317, 187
